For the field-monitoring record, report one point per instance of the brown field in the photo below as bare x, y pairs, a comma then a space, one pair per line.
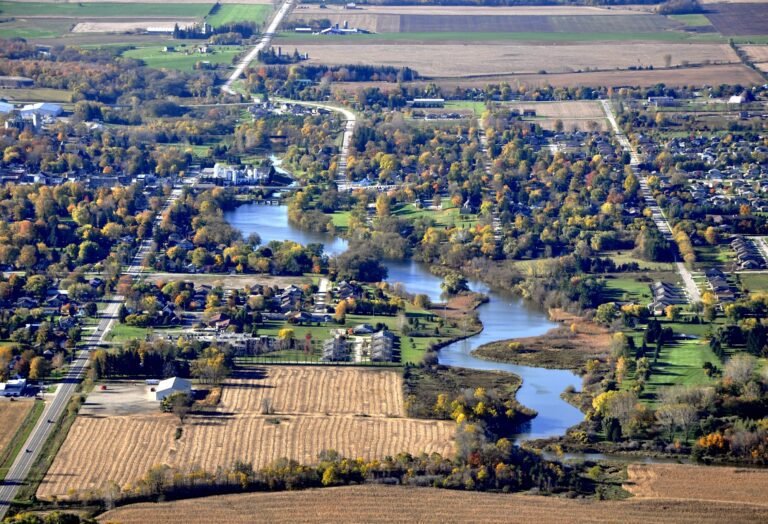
12, 414
400, 504
379, 10
707, 75
731, 19
756, 53
573, 114
357, 412
676, 481
302, 389
504, 58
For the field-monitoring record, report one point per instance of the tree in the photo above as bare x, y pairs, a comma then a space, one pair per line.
710, 235
454, 283
739, 369
179, 403
606, 313
212, 366
122, 313
38, 368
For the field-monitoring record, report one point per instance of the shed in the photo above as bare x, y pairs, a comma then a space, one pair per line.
172, 385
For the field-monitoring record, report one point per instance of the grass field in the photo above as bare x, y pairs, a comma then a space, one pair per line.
37, 94
101, 10
309, 417
681, 364
180, 59
692, 20
754, 282
228, 13
403, 505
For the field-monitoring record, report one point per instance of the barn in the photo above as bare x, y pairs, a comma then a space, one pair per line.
172, 385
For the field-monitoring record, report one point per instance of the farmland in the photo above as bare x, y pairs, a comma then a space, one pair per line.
229, 13
182, 58
503, 58
307, 415
739, 19
398, 504
12, 414
106, 9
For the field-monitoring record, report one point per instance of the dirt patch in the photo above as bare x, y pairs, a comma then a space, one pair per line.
739, 485
401, 504
124, 27
504, 58
458, 307
119, 398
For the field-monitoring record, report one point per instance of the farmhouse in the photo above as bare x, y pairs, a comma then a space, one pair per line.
172, 385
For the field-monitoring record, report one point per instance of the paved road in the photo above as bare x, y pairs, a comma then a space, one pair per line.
56, 405
657, 215
264, 43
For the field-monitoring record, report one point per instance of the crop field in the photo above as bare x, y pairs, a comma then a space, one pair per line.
308, 414
739, 19
452, 60
401, 504
240, 13
106, 9
307, 389
758, 54
581, 115
738, 485
12, 414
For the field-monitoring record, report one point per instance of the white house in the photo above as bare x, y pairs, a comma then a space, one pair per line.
172, 385
41, 109
5, 107
737, 99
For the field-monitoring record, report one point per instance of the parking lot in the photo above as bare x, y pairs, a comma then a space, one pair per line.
119, 398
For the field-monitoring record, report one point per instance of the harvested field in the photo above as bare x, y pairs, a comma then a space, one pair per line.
468, 11
756, 53
355, 411
12, 414
399, 504
452, 60
576, 114
122, 27
739, 19
694, 76
677, 481
304, 389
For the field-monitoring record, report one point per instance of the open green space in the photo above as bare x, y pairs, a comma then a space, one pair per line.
37, 94
447, 216
693, 20
182, 58
707, 256
626, 257
477, 107
123, 332
228, 13
754, 282
681, 363
98, 10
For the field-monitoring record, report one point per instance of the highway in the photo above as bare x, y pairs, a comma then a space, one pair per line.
657, 215
57, 403
266, 39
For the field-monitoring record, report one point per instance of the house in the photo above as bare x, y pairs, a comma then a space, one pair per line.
13, 388
427, 102
170, 386
363, 329
737, 99
381, 346
5, 107
26, 302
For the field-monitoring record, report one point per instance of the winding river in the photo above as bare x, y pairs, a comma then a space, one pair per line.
503, 317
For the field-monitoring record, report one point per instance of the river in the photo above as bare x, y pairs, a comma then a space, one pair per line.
503, 317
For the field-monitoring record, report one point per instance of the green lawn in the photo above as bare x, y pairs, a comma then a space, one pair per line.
707, 256
228, 13
477, 107
627, 289
123, 332
754, 282
340, 219
692, 20
98, 10
183, 58
448, 216
681, 364
626, 257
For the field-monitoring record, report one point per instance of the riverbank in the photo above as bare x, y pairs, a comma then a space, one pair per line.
569, 346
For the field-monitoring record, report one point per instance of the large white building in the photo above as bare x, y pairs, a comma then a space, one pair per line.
13, 388
41, 109
172, 385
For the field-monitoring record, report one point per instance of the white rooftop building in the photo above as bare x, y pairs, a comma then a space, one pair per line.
172, 385
41, 109
13, 388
